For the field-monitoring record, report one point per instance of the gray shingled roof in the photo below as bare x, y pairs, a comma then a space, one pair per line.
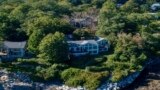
10, 44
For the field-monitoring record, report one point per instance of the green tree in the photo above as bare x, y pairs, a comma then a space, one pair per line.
10, 29
46, 23
49, 73
81, 33
20, 12
131, 6
75, 2
151, 36
98, 3
54, 48
34, 40
50, 6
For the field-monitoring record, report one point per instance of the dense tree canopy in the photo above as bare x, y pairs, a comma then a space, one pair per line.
82, 34
54, 48
32, 20
130, 26
133, 31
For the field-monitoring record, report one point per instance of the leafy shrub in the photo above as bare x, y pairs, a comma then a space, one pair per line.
32, 61
142, 58
69, 73
98, 3
95, 69
112, 57
50, 73
75, 81
75, 77
118, 75
47, 73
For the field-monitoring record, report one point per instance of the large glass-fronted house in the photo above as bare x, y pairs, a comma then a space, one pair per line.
92, 47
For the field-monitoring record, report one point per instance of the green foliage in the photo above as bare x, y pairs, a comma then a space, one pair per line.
76, 77
127, 58
133, 17
118, 75
75, 2
34, 41
98, 3
95, 69
142, 58
54, 48
81, 33
79, 2
151, 36
49, 73
32, 61
130, 6
132, 30
19, 18
39, 26
10, 29
20, 12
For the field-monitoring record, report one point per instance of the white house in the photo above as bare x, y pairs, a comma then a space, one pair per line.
92, 47
103, 44
12, 49
78, 48
155, 6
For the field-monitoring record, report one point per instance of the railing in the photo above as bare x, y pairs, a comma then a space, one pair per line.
3, 53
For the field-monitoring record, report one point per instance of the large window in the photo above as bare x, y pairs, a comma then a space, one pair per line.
78, 48
14, 53
90, 47
94, 47
86, 47
94, 52
90, 52
15, 50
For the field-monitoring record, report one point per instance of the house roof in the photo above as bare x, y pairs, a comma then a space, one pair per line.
10, 44
83, 42
100, 39
153, 7
78, 20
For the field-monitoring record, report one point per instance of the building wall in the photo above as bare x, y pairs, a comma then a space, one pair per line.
16, 53
103, 45
84, 49
91, 48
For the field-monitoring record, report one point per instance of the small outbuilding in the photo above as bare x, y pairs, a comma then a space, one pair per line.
11, 50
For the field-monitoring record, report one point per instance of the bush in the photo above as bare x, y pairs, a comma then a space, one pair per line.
80, 33
67, 74
98, 3
112, 58
50, 73
142, 58
32, 61
95, 69
75, 81
75, 77
118, 75
47, 73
